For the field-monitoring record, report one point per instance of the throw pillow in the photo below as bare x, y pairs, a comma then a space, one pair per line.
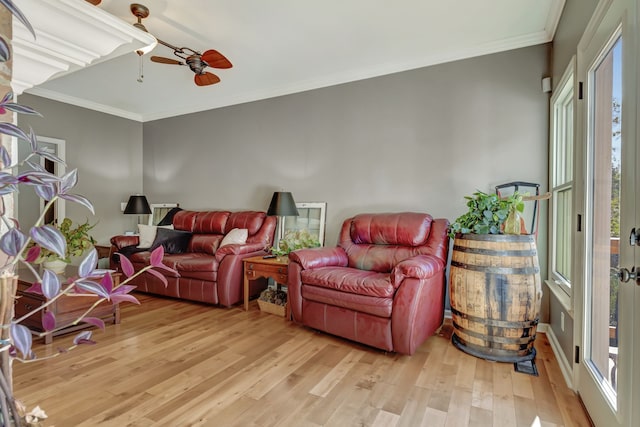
173, 241
168, 218
237, 235
147, 234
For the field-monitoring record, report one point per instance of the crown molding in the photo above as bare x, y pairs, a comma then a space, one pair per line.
79, 102
70, 35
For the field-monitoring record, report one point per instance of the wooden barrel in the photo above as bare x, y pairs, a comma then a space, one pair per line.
495, 293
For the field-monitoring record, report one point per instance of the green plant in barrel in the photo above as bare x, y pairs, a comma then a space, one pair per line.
490, 214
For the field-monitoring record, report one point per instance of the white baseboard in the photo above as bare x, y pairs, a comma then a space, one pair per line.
565, 366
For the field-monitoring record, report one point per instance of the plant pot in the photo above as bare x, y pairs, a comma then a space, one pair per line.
57, 266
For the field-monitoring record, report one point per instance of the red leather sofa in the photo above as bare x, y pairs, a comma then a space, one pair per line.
207, 272
383, 285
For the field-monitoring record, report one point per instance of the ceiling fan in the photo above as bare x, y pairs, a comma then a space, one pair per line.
196, 61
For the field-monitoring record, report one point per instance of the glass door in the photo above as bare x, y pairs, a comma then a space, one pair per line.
606, 256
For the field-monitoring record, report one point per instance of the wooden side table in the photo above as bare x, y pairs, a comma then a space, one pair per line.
66, 309
104, 251
257, 267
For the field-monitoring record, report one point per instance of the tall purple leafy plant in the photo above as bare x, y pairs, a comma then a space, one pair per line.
22, 246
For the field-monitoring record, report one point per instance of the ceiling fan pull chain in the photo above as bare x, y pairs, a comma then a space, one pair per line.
140, 70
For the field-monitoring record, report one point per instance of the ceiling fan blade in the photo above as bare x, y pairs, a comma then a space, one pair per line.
215, 59
163, 60
206, 79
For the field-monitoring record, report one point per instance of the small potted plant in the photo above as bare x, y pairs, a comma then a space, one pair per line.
78, 242
489, 214
294, 240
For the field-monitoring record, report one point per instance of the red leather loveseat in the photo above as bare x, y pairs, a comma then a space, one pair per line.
208, 272
383, 285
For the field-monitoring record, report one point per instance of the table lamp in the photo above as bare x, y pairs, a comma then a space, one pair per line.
281, 205
137, 205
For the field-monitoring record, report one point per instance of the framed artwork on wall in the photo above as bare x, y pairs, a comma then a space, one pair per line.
312, 217
159, 210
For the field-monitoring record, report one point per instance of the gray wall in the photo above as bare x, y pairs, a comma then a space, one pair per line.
417, 140
106, 150
574, 19
573, 22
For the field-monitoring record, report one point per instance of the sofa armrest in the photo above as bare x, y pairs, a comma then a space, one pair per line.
320, 257
123, 241
418, 267
238, 249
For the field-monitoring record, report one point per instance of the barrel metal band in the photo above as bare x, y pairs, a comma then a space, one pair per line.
510, 238
500, 355
522, 341
494, 322
494, 252
497, 270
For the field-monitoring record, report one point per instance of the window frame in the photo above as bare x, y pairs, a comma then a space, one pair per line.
564, 95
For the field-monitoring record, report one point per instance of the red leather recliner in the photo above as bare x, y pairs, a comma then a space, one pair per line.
383, 285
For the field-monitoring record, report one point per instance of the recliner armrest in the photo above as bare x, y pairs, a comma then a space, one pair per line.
320, 257
238, 249
419, 267
123, 241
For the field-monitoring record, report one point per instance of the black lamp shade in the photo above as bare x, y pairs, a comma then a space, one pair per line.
137, 205
282, 204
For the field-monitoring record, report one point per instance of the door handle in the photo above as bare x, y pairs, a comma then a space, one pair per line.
625, 275
634, 237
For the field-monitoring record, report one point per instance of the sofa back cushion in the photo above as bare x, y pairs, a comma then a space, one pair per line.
251, 220
377, 242
404, 229
209, 227
212, 222
205, 243
184, 220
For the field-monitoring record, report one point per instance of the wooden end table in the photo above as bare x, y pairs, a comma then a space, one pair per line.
66, 309
275, 268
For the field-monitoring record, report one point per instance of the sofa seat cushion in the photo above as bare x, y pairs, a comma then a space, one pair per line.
350, 280
142, 259
195, 266
377, 306
189, 265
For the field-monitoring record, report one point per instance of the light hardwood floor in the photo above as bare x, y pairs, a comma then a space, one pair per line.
174, 363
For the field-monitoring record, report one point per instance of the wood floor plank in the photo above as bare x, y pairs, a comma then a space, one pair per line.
416, 407
176, 363
459, 411
385, 419
479, 417
504, 411
336, 374
434, 418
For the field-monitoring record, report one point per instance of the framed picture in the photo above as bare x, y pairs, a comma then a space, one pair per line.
312, 217
159, 210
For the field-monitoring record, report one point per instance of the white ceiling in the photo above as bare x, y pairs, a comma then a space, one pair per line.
279, 47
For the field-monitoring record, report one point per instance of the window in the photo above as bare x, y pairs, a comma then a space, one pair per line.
159, 210
312, 217
562, 142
